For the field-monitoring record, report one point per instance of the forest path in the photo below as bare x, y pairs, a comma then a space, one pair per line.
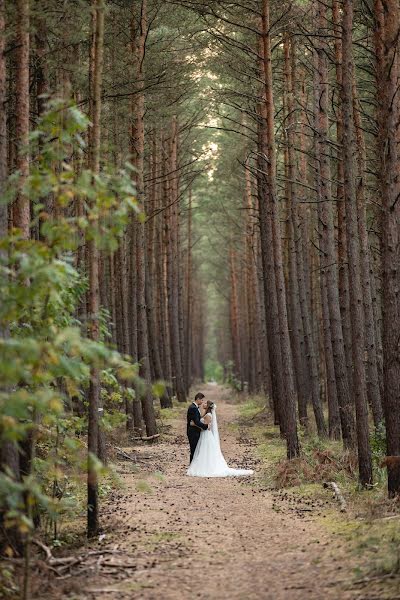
178, 537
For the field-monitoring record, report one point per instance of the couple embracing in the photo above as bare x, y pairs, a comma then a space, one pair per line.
206, 458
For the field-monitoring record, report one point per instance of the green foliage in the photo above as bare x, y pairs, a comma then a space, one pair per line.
253, 406
8, 585
378, 443
231, 378
45, 356
214, 371
378, 452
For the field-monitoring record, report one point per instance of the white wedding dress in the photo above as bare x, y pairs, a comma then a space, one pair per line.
208, 460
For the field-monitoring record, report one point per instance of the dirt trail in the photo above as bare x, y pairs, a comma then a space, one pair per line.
178, 537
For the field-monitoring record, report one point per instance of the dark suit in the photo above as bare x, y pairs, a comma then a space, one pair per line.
193, 431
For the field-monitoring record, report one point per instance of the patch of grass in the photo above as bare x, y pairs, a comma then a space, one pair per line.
233, 427
370, 530
144, 487
252, 407
169, 414
270, 447
375, 544
310, 491
159, 476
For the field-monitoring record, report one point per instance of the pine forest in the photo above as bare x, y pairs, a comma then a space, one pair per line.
199, 208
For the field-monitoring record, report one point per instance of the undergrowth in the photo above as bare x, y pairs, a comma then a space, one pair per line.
370, 528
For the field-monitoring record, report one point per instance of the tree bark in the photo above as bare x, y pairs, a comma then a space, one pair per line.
93, 267
173, 265
138, 144
9, 457
327, 236
189, 295
371, 345
300, 312
387, 20
343, 273
21, 211
353, 252
287, 406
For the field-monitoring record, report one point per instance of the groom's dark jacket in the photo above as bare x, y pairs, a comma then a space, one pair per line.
193, 432
193, 414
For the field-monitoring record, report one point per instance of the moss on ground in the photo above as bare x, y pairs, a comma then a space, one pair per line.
370, 530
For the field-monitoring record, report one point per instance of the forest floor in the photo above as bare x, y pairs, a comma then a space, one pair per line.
167, 536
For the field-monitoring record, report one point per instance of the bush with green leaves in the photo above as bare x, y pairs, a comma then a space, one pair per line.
45, 355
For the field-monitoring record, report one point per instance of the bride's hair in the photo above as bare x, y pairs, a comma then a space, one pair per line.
210, 406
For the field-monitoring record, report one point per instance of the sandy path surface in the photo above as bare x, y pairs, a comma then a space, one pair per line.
178, 537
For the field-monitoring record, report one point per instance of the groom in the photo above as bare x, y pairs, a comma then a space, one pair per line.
193, 415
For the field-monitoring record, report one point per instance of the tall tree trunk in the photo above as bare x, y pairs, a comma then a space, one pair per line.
9, 458
371, 345
300, 311
151, 233
173, 266
138, 144
343, 274
93, 265
22, 206
189, 296
325, 220
387, 18
353, 251
236, 348
268, 279
288, 401
265, 352
163, 271
327, 236
292, 288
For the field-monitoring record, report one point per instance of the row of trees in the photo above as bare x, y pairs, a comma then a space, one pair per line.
103, 262
313, 257
96, 226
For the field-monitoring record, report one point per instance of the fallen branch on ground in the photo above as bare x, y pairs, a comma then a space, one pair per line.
45, 549
338, 494
124, 454
69, 566
149, 438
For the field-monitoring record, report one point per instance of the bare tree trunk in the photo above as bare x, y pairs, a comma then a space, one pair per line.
9, 458
372, 371
163, 272
22, 206
301, 314
265, 353
138, 144
343, 274
253, 309
154, 341
327, 238
288, 400
189, 297
293, 297
387, 20
353, 251
325, 220
236, 348
173, 257
93, 265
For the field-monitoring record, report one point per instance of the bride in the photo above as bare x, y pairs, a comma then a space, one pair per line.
208, 460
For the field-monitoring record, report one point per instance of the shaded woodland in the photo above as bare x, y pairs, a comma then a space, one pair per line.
194, 190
